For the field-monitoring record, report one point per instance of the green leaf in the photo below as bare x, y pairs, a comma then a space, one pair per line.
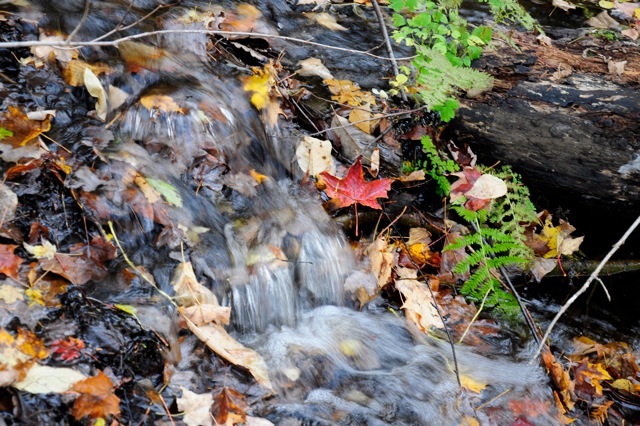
169, 193
398, 20
5, 133
397, 5
484, 33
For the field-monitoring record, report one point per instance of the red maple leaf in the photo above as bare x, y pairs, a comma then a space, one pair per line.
68, 350
354, 189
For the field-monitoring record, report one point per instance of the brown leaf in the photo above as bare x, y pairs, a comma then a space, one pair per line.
382, 261
23, 130
419, 305
229, 407
97, 399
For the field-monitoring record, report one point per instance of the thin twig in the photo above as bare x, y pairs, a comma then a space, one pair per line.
586, 285
116, 42
85, 15
387, 42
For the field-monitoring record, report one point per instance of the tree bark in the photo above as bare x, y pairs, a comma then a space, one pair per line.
560, 116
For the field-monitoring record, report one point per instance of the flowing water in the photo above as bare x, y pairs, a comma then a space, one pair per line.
270, 252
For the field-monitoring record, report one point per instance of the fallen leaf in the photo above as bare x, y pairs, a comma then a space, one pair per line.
314, 156
632, 33
95, 89
196, 408
361, 118
9, 262
348, 92
326, 20
67, 349
375, 162
363, 285
10, 294
472, 384
631, 10
354, 189
419, 305
415, 175
229, 407
168, 191
220, 342
541, 267
601, 412
160, 102
19, 130
603, 21
260, 84
41, 379
205, 313
97, 399
562, 4
8, 203
73, 71
616, 68
588, 377
487, 187
353, 141
18, 354
44, 251
561, 379
314, 67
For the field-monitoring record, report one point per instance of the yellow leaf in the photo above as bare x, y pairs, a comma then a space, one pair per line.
472, 384
260, 86
44, 251
259, 177
636, 13
605, 4
361, 118
162, 102
131, 310
149, 192
35, 295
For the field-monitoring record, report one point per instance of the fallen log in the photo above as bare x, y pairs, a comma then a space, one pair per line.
566, 115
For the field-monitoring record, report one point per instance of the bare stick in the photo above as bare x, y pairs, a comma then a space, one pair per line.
584, 288
387, 42
116, 42
85, 15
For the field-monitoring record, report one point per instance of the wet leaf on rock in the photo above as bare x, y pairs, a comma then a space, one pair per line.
97, 399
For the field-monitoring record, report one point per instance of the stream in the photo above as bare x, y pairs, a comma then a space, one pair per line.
266, 248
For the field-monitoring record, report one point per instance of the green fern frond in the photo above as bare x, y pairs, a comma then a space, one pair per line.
438, 78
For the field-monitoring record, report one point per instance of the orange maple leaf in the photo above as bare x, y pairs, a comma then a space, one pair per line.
96, 399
